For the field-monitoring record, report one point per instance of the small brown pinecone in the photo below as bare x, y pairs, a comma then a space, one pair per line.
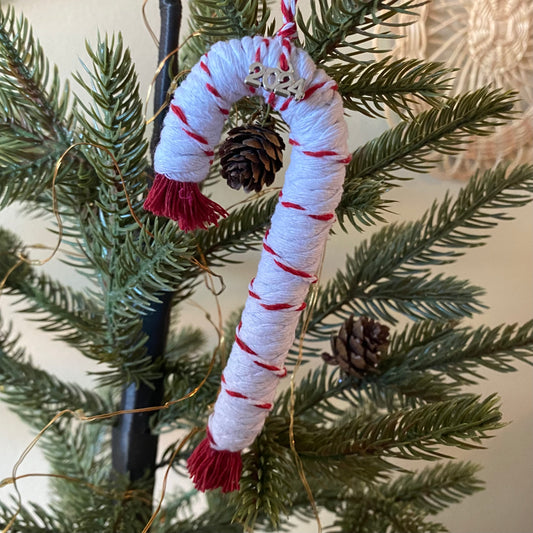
358, 346
250, 157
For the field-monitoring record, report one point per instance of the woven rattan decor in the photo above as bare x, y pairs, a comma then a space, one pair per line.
491, 43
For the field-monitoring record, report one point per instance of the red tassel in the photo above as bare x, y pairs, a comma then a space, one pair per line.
211, 469
182, 201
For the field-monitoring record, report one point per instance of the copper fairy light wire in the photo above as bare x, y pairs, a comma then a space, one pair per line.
158, 70
55, 209
147, 24
178, 448
292, 441
80, 416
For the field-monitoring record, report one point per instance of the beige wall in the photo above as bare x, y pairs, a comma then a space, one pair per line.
504, 268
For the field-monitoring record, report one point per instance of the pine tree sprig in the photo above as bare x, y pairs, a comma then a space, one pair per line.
36, 124
356, 517
434, 488
41, 106
59, 309
403, 253
341, 30
240, 232
131, 264
34, 394
417, 433
415, 145
27, 164
33, 518
461, 353
222, 20
401, 505
393, 84
268, 470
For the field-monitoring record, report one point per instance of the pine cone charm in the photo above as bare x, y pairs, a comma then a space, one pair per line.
358, 346
250, 157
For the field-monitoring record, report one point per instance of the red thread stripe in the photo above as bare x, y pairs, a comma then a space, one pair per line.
268, 249
272, 368
294, 143
287, 14
209, 153
285, 104
271, 99
236, 394
327, 216
320, 153
212, 90
294, 271
276, 307
254, 295
293, 206
205, 68
283, 63
195, 136
179, 113
263, 405
223, 111
314, 88
258, 54
243, 346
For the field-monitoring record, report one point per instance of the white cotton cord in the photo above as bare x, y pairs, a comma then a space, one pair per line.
293, 247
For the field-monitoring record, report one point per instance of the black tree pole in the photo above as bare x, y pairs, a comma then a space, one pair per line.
134, 446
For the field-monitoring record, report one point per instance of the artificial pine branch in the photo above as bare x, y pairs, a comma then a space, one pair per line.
340, 30
461, 353
413, 145
400, 255
34, 518
240, 232
34, 394
134, 265
434, 488
416, 433
42, 105
222, 20
391, 84
35, 120
70, 314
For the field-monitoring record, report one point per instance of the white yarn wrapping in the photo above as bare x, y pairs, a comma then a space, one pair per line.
313, 181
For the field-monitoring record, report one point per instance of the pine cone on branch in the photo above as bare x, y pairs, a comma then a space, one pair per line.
250, 157
359, 346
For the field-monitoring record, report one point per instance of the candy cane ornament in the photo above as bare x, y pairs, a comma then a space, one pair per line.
292, 247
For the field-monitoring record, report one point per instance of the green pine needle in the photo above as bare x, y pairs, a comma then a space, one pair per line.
393, 84
389, 272
341, 30
417, 433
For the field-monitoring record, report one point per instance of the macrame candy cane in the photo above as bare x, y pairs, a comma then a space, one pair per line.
293, 246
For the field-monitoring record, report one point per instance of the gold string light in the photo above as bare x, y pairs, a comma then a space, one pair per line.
178, 448
147, 24
158, 70
299, 465
78, 415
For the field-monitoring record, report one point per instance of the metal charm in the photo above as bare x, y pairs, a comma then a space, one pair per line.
277, 81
